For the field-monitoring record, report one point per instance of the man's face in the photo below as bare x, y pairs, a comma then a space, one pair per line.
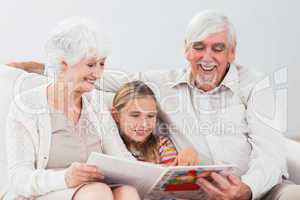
209, 60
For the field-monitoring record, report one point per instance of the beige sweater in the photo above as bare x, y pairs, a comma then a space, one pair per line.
28, 135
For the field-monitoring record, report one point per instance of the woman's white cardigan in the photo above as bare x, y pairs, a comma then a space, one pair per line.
28, 138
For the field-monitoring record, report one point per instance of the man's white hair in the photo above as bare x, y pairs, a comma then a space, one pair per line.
206, 23
73, 39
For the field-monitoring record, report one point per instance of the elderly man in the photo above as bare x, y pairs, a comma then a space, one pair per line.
213, 103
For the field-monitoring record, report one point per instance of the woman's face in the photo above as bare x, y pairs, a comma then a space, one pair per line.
84, 74
137, 119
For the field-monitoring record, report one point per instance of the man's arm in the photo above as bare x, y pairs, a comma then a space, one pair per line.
30, 66
113, 80
267, 163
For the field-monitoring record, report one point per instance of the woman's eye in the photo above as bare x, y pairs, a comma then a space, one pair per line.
90, 65
134, 115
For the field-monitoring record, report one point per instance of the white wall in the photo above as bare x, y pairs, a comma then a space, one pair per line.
149, 34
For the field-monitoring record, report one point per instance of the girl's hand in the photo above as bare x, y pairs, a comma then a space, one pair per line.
188, 156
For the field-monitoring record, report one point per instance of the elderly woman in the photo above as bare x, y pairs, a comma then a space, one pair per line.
52, 129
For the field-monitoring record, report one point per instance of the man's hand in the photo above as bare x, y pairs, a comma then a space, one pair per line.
188, 156
225, 188
79, 173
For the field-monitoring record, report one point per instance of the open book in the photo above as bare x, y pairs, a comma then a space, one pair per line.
155, 181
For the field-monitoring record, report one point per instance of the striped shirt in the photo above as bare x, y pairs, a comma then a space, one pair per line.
167, 150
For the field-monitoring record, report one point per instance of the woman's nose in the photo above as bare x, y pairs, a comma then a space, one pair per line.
97, 72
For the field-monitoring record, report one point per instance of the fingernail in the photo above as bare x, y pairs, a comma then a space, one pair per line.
200, 180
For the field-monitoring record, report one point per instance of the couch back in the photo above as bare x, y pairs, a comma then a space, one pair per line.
12, 82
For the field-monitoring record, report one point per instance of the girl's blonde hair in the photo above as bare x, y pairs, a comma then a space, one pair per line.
135, 90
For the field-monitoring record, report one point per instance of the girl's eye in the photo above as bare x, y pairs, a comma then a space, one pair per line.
151, 116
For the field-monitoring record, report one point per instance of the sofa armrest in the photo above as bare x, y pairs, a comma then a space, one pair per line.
293, 159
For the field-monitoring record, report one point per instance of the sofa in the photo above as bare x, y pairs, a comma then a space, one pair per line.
12, 80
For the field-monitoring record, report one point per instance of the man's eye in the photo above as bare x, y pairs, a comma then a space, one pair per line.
219, 47
198, 46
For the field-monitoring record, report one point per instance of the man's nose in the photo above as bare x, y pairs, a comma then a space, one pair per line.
207, 55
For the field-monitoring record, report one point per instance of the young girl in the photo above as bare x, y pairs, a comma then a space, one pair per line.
136, 112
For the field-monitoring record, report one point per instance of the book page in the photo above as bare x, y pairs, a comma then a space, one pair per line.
141, 175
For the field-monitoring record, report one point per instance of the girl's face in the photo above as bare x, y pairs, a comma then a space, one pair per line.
137, 119
83, 75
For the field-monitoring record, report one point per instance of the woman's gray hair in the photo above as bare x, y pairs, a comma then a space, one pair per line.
206, 23
72, 40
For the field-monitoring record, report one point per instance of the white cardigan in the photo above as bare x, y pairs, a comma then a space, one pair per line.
28, 137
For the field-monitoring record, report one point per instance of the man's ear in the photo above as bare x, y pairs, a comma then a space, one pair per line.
232, 54
115, 115
187, 53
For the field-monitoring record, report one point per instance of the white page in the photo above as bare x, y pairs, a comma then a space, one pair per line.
141, 175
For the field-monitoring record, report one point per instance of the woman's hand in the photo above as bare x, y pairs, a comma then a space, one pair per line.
79, 173
188, 156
